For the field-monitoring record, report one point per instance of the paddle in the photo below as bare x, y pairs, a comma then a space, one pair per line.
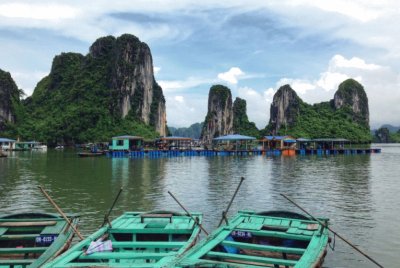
330, 229
230, 203
188, 213
106, 217
61, 213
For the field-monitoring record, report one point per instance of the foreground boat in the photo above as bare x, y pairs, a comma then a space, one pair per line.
269, 239
31, 239
135, 239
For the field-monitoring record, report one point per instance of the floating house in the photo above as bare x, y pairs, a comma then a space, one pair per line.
29, 145
278, 142
330, 143
6, 144
126, 143
234, 142
174, 143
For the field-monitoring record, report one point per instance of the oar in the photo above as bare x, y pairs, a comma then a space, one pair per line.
330, 229
61, 213
230, 203
188, 213
106, 217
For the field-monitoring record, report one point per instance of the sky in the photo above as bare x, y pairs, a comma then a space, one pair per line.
252, 47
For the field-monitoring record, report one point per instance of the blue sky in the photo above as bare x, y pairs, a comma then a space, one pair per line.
249, 46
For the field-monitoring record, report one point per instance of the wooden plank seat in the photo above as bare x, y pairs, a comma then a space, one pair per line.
27, 223
263, 247
17, 262
148, 244
252, 259
23, 250
279, 234
19, 237
125, 255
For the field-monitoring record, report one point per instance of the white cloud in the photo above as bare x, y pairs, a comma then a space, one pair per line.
338, 61
357, 10
232, 76
301, 86
24, 79
186, 109
38, 11
180, 99
156, 70
257, 105
330, 80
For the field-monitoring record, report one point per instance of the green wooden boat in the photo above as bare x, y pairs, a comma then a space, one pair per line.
138, 239
268, 239
31, 239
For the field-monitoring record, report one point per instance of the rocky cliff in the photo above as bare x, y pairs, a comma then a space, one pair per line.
219, 119
9, 98
241, 123
345, 116
284, 109
131, 77
110, 91
351, 95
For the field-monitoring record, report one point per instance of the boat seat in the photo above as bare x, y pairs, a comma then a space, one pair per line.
54, 229
250, 226
3, 230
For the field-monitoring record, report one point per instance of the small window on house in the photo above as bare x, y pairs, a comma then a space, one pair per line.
120, 142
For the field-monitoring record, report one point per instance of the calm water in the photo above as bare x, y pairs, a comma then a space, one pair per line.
360, 194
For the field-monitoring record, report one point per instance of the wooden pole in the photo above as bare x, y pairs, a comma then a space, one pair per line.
188, 213
61, 213
106, 217
230, 203
338, 235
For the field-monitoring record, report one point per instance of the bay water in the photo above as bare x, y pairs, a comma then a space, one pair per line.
360, 194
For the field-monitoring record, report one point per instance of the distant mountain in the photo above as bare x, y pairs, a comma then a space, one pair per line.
193, 131
345, 116
391, 128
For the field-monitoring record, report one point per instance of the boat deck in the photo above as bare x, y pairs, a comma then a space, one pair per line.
137, 239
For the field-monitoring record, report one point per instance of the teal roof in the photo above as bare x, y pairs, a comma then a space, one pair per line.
127, 137
233, 137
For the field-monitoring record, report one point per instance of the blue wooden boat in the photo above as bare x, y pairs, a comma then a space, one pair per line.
268, 239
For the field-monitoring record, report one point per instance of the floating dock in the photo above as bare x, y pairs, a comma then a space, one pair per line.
275, 152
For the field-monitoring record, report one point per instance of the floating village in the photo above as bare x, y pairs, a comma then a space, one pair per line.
228, 145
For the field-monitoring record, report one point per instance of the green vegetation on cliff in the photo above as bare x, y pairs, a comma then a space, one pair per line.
323, 121
79, 100
241, 123
346, 116
10, 105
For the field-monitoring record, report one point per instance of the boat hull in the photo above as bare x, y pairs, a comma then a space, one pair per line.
135, 239
32, 239
272, 239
